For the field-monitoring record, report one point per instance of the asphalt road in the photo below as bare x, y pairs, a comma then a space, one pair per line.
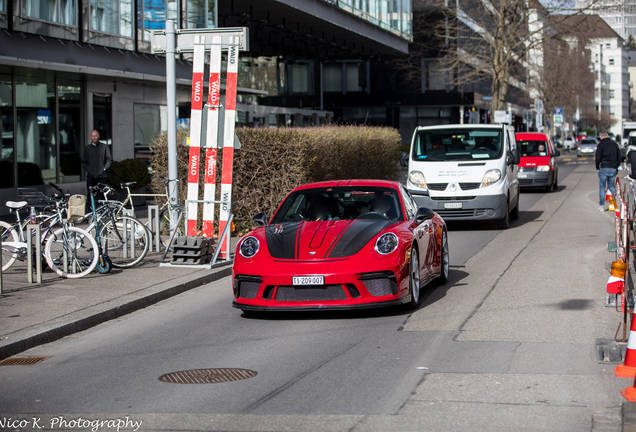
507, 344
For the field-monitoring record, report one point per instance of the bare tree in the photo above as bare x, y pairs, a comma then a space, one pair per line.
485, 40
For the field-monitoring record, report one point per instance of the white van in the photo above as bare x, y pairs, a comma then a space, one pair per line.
466, 171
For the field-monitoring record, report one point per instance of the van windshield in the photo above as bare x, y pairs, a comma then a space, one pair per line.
458, 144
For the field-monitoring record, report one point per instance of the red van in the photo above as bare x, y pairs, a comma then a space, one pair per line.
538, 166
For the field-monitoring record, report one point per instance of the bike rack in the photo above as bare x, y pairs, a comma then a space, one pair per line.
38, 253
154, 225
225, 236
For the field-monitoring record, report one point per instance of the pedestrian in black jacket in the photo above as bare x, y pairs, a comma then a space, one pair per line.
608, 158
96, 160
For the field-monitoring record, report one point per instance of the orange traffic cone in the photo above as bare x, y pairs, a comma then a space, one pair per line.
630, 393
628, 368
609, 197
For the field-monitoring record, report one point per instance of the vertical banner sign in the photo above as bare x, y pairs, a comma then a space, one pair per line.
195, 134
212, 137
228, 139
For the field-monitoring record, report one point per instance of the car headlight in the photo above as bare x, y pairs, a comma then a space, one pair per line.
249, 247
491, 177
417, 178
543, 168
386, 243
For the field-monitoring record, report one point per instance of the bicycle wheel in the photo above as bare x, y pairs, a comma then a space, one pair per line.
8, 234
126, 239
164, 227
71, 252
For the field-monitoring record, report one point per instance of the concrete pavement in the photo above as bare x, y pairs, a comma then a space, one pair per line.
32, 314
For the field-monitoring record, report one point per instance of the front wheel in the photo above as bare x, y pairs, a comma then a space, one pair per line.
126, 240
8, 234
504, 222
414, 279
164, 226
104, 264
445, 260
71, 252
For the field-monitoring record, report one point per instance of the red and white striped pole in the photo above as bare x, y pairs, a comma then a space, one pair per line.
228, 139
212, 136
195, 134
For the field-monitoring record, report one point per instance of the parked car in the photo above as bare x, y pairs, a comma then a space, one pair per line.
538, 165
347, 244
569, 143
466, 171
586, 147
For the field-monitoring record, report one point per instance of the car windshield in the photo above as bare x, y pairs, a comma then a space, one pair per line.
458, 144
588, 141
532, 148
340, 203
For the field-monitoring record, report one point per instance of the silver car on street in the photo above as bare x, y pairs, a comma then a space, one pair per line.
587, 147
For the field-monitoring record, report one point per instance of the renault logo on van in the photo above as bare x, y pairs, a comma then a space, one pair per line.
453, 187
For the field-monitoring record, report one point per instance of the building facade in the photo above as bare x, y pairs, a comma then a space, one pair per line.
70, 66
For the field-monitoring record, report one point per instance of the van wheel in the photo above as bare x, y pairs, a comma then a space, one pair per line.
504, 222
514, 214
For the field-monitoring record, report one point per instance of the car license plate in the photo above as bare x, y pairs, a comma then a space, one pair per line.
308, 280
523, 175
453, 205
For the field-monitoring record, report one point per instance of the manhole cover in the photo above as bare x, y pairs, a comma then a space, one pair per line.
23, 361
207, 376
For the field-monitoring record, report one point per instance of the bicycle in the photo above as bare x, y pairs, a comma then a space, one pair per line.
104, 264
164, 211
126, 237
69, 251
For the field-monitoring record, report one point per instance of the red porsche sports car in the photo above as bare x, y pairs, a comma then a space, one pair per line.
345, 244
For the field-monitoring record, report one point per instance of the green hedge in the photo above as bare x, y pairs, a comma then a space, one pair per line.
272, 161
128, 170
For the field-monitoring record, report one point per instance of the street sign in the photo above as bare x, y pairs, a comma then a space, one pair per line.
539, 119
500, 116
527, 116
558, 111
185, 38
538, 105
558, 118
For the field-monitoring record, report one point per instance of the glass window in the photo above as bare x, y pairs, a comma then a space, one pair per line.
70, 124
356, 76
458, 144
340, 203
61, 11
152, 15
112, 16
300, 78
332, 77
200, 14
150, 120
6, 128
36, 147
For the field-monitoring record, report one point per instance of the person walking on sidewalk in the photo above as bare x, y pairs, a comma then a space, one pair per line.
96, 160
608, 158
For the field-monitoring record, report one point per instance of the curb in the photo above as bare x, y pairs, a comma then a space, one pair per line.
58, 328
628, 415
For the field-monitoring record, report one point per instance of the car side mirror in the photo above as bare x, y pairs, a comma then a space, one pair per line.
513, 157
260, 219
423, 214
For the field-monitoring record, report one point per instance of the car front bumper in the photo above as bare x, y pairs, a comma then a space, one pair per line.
480, 207
536, 179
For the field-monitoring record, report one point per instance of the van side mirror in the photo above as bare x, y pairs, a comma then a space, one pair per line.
260, 219
423, 214
513, 157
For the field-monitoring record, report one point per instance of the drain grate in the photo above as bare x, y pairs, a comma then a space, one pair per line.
207, 376
23, 361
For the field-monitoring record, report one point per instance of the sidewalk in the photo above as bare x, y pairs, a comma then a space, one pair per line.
32, 314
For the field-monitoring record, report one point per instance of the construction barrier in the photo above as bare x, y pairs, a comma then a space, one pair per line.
195, 132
